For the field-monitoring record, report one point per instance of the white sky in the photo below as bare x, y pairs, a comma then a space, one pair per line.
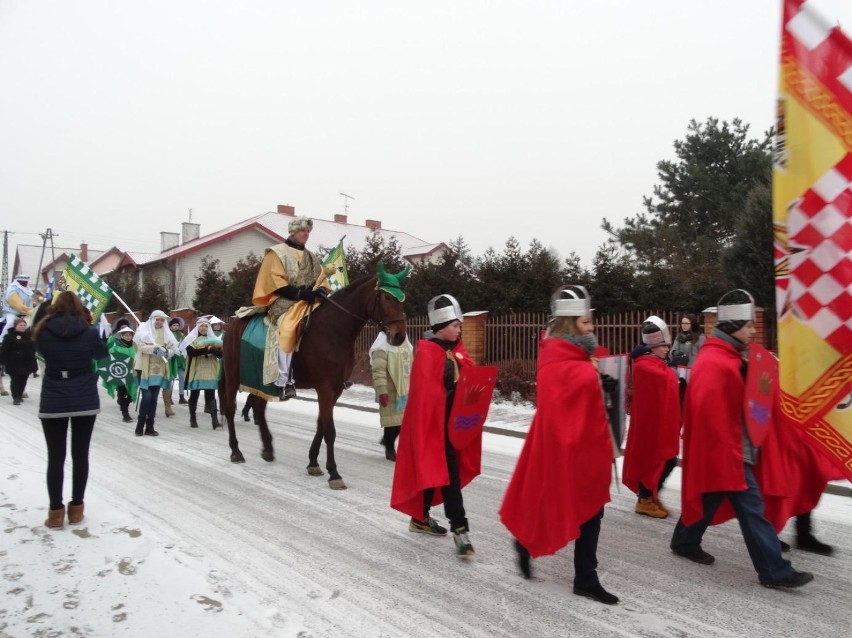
480, 119
179, 542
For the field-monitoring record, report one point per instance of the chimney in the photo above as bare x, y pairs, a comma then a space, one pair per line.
284, 209
84, 252
373, 224
340, 219
189, 231
168, 240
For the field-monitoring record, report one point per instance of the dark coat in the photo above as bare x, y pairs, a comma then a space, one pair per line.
17, 353
69, 345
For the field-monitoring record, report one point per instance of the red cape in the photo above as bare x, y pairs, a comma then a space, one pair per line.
421, 461
654, 435
791, 472
563, 473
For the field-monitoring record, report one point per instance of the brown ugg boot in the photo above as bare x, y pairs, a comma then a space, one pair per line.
75, 513
167, 401
55, 518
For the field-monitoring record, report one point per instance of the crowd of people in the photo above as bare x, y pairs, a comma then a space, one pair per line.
561, 483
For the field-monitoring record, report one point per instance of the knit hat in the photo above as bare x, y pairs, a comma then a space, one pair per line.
655, 332
178, 321
734, 310
300, 223
571, 301
441, 317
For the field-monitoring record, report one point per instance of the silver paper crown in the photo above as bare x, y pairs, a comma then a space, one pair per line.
663, 337
571, 301
735, 312
446, 313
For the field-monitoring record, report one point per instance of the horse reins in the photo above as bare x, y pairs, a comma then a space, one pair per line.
382, 323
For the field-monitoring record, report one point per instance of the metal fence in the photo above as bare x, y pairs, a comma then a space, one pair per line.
514, 338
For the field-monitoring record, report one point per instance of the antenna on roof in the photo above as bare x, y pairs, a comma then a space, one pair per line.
346, 203
190, 215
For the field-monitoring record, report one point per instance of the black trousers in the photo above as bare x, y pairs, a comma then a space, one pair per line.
17, 385
644, 492
586, 553
453, 502
55, 435
123, 398
209, 399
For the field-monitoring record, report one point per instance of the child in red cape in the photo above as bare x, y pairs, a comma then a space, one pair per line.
561, 483
425, 458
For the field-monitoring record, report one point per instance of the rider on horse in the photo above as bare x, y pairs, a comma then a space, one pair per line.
17, 301
289, 274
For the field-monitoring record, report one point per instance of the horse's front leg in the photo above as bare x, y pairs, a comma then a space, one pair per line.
259, 407
229, 404
325, 432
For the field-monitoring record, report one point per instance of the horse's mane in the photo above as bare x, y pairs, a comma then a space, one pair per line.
352, 286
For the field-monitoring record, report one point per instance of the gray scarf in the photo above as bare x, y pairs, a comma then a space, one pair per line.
587, 342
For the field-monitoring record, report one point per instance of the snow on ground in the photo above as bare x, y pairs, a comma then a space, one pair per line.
177, 541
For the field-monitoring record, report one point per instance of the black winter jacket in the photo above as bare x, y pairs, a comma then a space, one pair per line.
70, 385
17, 353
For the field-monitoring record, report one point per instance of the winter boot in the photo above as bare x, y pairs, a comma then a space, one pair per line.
648, 507
55, 518
3, 392
140, 423
388, 439
125, 416
806, 541
193, 423
214, 416
182, 400
463, 546
149, 427
167, 401
75, 513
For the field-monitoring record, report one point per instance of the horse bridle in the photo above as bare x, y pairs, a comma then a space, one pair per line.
382, 323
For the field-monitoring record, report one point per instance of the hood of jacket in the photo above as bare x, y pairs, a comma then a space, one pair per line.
65, 327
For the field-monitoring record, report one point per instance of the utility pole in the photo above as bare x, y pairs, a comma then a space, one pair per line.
346, 203
5, 275
44, 238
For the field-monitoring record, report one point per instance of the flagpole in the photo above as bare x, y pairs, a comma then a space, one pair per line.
123, 303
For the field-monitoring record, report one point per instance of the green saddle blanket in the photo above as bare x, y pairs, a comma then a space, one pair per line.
251, 360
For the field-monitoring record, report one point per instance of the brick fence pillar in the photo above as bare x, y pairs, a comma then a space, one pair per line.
473, 335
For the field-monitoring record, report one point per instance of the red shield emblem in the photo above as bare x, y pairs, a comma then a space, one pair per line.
470, 406
761, 385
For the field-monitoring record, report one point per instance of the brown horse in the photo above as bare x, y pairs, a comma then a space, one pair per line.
324, 361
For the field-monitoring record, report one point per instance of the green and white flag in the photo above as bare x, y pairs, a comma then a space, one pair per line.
87, 285
340, 277
117, 369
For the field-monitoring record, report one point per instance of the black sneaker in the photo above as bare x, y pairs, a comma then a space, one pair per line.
428, 526
597, 593
288, 392
796, 579
696, 555
463, 546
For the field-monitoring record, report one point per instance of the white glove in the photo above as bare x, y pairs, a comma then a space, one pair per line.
160, 351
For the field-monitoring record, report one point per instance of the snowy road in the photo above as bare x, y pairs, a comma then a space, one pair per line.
177, 541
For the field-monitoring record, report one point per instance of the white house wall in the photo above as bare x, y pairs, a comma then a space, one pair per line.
227, 251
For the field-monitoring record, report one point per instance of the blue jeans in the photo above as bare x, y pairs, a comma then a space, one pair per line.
148, 403
760, 537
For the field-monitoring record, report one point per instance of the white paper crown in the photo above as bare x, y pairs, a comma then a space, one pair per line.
447, 313
571, 301
735, 312
663, 337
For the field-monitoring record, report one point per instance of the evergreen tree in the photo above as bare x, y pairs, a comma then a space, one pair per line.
211, 294
676, 245
153, 295
126, 284
241, 281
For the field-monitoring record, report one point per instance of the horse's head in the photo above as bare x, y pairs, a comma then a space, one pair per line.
389, 298
389, 315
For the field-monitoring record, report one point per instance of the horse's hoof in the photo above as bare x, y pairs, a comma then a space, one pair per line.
238, 458
315, 470
268, 456
337, 484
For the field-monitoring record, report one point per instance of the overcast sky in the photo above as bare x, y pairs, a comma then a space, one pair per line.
480, 119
